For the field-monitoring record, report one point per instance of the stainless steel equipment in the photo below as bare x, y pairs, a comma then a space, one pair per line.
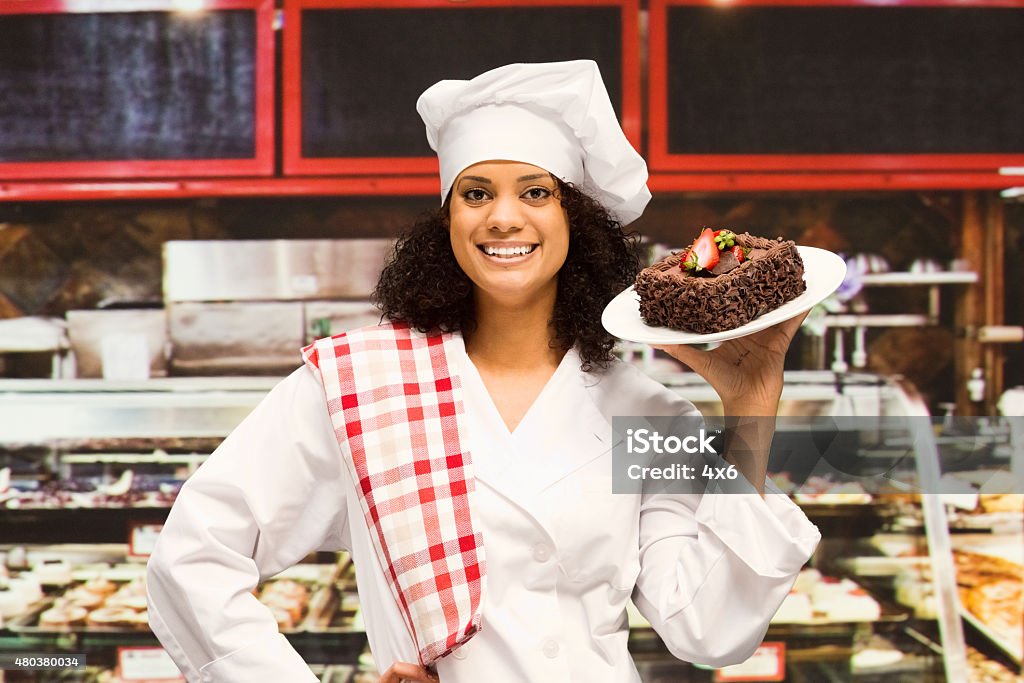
272, 270
235, 338
246, 307
90, 330
42, 411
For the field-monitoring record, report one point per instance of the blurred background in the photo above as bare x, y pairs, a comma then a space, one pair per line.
191, 190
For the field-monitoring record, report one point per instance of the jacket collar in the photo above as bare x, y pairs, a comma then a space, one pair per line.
563, 431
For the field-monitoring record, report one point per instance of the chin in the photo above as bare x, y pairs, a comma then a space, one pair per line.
517, 292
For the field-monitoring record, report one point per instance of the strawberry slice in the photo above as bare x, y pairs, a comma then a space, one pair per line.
705, 251
737, 251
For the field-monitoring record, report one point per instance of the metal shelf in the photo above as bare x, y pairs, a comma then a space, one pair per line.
42, 411
909, 279
873, 320
133, 458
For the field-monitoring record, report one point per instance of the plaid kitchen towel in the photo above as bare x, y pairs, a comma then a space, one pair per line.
395, 400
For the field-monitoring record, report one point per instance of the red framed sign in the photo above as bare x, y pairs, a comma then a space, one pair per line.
354, 68
136, 88
836, 86
142, 538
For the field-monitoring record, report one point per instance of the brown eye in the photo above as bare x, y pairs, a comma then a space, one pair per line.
474, 195
537, 193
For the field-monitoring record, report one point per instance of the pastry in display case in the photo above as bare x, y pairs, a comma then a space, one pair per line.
101, 609
111, 598
991, 590
816, 597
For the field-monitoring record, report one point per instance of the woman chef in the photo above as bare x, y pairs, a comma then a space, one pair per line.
461, 451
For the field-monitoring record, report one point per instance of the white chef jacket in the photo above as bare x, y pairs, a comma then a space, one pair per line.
564, 554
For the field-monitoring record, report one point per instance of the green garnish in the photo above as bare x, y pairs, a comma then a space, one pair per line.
689, 262
725, 239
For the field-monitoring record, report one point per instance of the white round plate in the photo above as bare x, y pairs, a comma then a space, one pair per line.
823, 273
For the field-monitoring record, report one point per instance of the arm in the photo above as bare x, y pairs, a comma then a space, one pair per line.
714, 569
747, 375
273, 492
716, 566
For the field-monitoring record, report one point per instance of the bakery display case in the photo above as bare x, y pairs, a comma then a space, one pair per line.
916, 577
113, 452
88, 472
921, 525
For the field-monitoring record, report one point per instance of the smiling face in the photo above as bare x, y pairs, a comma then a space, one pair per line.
509, 232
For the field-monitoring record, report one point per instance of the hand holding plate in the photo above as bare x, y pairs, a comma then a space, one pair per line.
746, 372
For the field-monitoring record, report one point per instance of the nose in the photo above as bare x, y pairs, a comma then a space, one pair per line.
505, 214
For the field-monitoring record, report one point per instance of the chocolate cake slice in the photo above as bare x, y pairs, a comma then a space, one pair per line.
742, 284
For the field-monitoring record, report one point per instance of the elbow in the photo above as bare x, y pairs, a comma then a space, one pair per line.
733, 644
157, 576
158, 565
160, 579
718, 656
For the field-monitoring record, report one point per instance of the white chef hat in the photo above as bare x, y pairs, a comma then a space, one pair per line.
557, 116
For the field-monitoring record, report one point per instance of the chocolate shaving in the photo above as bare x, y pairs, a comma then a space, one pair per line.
726, 262
772, 275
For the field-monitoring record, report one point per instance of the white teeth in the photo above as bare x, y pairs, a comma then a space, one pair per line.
507, 252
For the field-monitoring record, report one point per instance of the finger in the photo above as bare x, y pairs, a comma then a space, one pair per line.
787, 328
403, 671
684, 353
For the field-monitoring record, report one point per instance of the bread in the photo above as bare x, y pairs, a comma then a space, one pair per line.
62, 616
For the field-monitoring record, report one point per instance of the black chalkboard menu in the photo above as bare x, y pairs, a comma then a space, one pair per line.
360, 70
878, 84
123, 93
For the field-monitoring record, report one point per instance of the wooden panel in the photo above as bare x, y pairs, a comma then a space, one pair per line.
970, 303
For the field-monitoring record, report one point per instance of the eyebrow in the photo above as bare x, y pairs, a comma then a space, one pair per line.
520, 179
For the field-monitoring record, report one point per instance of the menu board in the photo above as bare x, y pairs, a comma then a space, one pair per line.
843, 79
363, 69
128, 86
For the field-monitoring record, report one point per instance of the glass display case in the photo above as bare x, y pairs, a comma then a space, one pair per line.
915, 576
921, 525
88, 472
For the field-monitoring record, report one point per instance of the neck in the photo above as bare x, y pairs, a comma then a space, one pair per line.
514, 336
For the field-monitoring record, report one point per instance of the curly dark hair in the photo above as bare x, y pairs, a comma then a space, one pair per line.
423, 285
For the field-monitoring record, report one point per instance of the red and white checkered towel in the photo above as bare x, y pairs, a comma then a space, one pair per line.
395, 401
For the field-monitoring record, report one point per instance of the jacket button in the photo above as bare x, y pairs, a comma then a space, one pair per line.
550, 648
541, 552
460, 653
